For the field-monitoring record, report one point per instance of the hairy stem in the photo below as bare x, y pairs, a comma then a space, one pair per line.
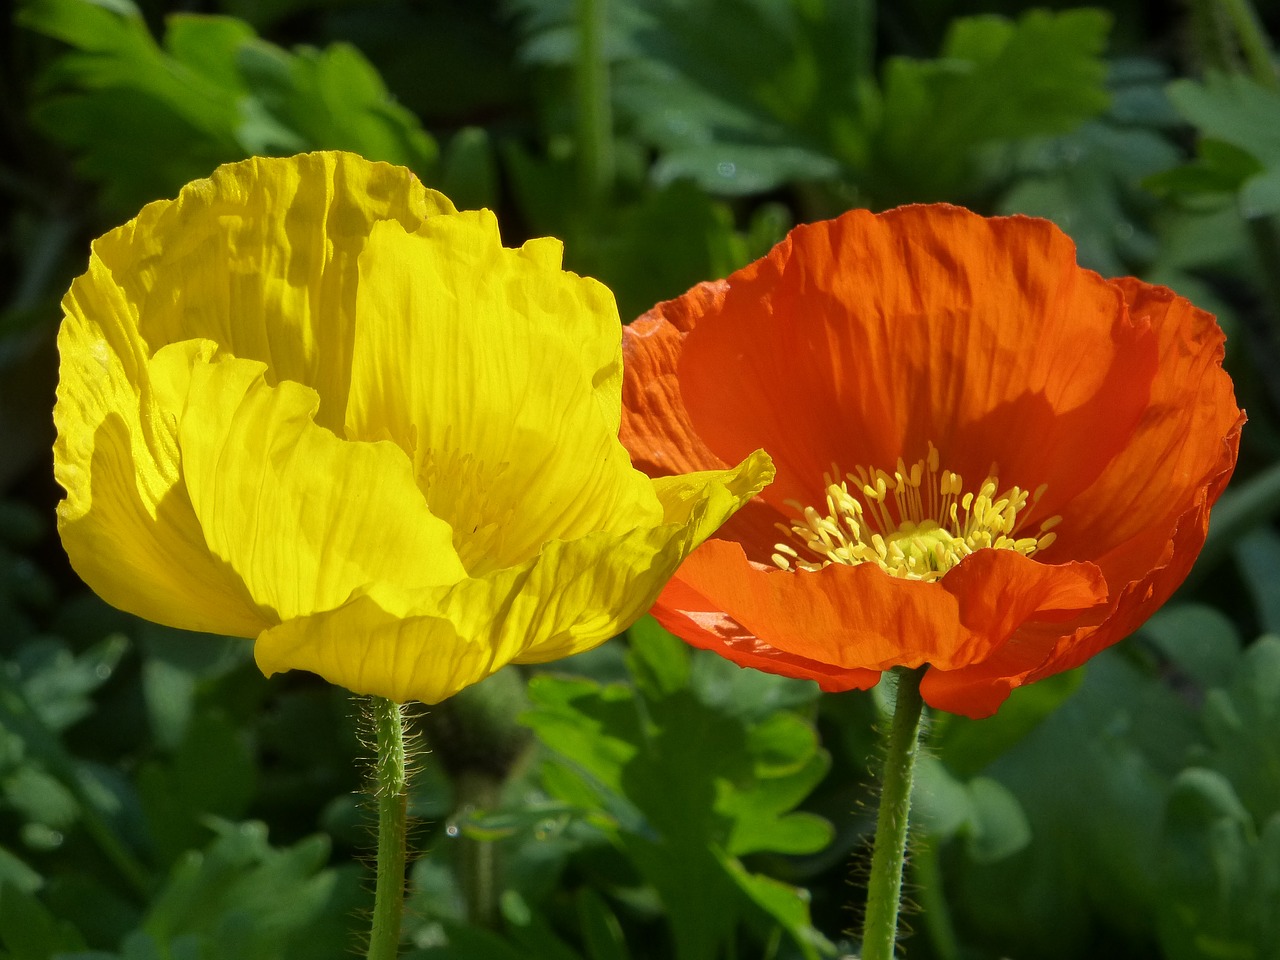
884, 890
391, 790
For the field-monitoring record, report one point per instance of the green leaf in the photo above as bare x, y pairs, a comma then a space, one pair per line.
1258, 558
969, 746
750, 694
693, 781
998, 827
1233, 109
104, 802
594, 728
531, 932
29, 931
211, 773
601, 932
15, 873
1091, 780
58, 683
982, 811
41, 798
1200, 641
144, 119
757, 108
733, 169
470, 943
1221, 878
1246, 505
176, 666
1260, 195
1243, 725
994, 80
658, 661
1220, 168
616, 244
1090, 183
786, 905
1057, 54
1238, 121
940, 804
243, 898
469, 170
333, 98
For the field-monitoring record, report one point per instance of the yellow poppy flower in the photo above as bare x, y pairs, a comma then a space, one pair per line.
311, 403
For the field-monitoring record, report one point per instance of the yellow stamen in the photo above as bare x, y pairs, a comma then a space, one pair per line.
915, 523
458, 487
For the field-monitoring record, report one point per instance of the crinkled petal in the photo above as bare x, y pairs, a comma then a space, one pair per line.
1146, 517
656, 428
864, 339
1002, 591
850, 617
571, 597
126, 523
262, 259
501, 372
701, 623
858, 620
656, 425
1026, 602
1183, 449
305, 519
871, 336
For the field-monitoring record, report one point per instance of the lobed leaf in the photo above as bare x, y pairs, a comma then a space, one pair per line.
144, 119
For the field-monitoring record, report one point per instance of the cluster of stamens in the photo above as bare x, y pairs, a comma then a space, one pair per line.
915, 523
458, 486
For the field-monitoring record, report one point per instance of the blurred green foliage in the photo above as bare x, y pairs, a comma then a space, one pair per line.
142, 117
159, 799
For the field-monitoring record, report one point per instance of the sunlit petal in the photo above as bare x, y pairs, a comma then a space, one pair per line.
989, 460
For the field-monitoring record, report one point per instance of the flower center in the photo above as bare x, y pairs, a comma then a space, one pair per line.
460, 489
914, 523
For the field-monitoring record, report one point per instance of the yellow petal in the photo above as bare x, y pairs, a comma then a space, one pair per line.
305, 519
502, 374
126, 523
706, 499
261, 258
572, 596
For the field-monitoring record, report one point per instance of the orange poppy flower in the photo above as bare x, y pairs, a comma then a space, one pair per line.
989, 460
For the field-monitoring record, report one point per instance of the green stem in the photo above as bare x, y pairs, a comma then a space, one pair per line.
1213, 36
593, 106
1253, 41
933, 905
478, 866
884, 889
391, 790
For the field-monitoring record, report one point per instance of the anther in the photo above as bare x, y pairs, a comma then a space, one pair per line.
917, 522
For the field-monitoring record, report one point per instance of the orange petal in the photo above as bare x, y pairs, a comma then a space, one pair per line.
1183, 449
858, 618
655, 423
699, 622
1003, 593
860, 339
